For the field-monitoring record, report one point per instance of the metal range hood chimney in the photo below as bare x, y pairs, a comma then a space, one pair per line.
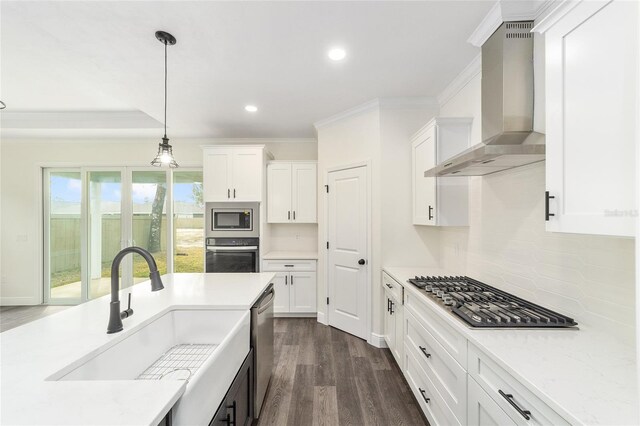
508, 139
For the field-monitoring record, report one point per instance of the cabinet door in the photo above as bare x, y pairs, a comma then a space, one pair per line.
281, 287
247, 174
389, 323
237, 406
304, 192
217, 174
424, 188
279, 193
398, 351
482, 410
302, 287
591, 82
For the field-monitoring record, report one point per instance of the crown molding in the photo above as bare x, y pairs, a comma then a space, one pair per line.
357, 110
380, 103
78, 120
554, 11
504, 11
461, 80
491, 22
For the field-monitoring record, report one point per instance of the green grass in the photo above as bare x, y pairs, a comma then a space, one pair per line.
188, 259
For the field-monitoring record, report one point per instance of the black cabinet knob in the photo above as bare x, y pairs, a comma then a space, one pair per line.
361, 262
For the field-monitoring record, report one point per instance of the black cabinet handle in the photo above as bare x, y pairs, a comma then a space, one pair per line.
388, 285
430, 213
291, 279
294, 215
509, 397
288, 266
228, 193
392, 303
388, 305
234, 193
424, 351
289, 215
422, 391
547, 197
286, 278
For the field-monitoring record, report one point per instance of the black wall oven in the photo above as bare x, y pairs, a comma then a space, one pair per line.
232, 255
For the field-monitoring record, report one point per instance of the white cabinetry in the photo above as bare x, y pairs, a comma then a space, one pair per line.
233, 173
591, 54
483, 411
295, 285
454, 382
440, 201
394, 316
291, 192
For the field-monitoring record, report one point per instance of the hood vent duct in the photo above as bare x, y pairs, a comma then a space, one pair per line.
508, 139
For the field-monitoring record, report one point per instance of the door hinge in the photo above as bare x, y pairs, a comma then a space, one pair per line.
327, 245
327, 188
327, 300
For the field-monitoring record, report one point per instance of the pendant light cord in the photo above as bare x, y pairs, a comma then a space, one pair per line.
165, 89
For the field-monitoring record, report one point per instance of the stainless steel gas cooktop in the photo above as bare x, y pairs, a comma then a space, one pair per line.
481, 305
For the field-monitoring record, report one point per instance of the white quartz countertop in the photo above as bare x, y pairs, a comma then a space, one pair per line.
293, 255
33, 352
585, 375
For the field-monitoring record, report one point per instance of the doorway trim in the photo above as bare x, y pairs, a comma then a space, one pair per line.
324, 319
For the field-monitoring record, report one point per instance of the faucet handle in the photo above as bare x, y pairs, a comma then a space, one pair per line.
127, 312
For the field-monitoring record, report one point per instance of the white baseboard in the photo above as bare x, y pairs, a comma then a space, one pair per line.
377, 340
295, 315
322, 318
19, 301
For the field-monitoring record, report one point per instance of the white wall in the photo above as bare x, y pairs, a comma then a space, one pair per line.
588, 277
379, 135
21, 214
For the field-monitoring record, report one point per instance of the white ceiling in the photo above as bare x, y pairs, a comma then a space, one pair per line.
93, 57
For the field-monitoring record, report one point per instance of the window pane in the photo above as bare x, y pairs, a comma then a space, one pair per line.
149, 195
65, 195
188, 211
105, 228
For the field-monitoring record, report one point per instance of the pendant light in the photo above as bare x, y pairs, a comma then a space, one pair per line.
165, 151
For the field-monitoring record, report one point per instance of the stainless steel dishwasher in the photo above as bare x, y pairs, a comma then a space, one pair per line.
262, 343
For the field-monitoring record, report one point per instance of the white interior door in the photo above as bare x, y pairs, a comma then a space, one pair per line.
348, 240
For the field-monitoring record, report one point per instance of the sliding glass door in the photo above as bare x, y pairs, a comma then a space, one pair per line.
92, 213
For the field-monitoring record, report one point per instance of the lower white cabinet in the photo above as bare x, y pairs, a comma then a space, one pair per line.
393, 321
453, 381
484, 411
294, 284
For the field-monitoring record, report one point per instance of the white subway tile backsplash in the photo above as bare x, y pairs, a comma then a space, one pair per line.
506, 245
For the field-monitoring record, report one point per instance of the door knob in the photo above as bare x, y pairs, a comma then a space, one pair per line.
361, 262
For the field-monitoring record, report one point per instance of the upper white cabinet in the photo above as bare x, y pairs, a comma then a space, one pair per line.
233, 173
591, 55
291, 192
440, 201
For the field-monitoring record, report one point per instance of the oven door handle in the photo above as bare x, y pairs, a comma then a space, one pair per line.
232, 248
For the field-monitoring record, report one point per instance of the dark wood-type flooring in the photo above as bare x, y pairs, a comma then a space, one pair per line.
324, 376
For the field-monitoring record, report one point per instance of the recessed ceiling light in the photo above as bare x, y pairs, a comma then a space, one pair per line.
337, 54
251, 108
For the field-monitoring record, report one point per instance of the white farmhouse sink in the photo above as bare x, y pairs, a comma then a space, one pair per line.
224, 335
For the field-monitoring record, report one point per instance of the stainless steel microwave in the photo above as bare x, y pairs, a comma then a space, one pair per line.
233, 220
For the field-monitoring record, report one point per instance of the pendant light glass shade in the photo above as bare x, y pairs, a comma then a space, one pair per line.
165, 155
165, 151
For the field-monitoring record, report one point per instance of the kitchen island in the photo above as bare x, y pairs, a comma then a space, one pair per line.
33, 355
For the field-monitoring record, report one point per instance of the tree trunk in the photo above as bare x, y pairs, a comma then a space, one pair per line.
155, 231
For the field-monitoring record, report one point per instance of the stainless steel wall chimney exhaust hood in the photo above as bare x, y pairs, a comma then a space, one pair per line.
508, 139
